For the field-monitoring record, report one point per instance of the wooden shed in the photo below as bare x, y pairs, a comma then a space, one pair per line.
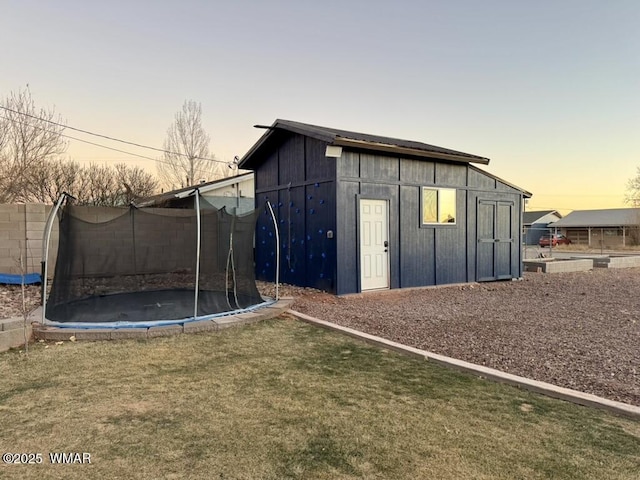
361, 212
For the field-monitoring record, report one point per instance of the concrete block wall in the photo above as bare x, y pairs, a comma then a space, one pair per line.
12, 333
21, 231
558, 266
617, 262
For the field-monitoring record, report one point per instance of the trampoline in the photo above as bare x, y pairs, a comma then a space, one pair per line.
144, 267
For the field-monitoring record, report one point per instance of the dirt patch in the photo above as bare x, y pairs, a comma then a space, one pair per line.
11, 300
579, 330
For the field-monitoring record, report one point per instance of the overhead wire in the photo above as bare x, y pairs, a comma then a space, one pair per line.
107, 137
104, 146
85, 141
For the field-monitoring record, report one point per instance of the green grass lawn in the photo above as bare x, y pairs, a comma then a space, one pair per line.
282, 399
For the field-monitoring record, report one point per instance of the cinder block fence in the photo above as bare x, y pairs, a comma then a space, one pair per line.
21, 232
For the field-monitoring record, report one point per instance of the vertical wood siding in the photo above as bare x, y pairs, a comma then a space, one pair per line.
265, 251
320, 249
381, 169
451, 246
424, 255
291, 209
347, 237
451, 174
417, 245
313, 194
318, 167
268, 172
349, 165
420, 172
481, 181
291, 160
302, 192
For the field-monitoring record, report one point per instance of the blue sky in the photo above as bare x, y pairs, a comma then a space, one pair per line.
548, 90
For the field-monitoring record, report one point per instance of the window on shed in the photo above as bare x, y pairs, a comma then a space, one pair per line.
438, 206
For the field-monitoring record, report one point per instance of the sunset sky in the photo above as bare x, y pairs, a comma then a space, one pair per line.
548, 90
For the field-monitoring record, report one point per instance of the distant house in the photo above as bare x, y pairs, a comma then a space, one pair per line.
601, 228
361, 212
537, 223
236, 194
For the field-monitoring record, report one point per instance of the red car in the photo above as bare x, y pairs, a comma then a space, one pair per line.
555, 239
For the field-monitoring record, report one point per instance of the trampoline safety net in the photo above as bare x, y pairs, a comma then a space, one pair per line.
140, 265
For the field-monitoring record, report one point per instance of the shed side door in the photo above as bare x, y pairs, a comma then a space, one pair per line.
495, 240
504, 243
485, 255
374, 244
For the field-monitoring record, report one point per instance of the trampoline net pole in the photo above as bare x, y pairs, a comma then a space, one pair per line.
45, 252
231, 264
275, 226
198, 228
133, 214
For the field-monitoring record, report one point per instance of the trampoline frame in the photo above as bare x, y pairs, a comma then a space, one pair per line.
147, 324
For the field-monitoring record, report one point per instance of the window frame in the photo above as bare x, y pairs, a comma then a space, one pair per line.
438, 191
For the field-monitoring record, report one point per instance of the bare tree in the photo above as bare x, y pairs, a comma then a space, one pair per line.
632, 196
101, 187
114, 186
134, 182
4, 135
49, 179
186, 160
91, 185
28, 137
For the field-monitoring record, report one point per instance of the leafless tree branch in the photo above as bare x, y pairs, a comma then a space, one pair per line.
632, 196
187, 150
27, 140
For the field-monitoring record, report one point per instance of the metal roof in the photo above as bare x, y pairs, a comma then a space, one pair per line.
529, 218
186, 191
612, 217
362, 141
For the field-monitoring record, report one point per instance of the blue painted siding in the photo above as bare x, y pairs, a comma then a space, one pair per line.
303, 197
314, 195
421, 255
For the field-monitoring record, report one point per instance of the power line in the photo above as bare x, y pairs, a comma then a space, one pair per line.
103, 146
86, 141
106, 137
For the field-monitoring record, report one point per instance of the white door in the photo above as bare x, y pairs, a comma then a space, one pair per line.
374, 244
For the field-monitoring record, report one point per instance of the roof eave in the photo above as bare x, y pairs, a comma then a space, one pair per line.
256, 146
524, 192
286, 126
383, 147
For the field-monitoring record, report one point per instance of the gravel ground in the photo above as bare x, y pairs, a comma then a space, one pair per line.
577, 330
